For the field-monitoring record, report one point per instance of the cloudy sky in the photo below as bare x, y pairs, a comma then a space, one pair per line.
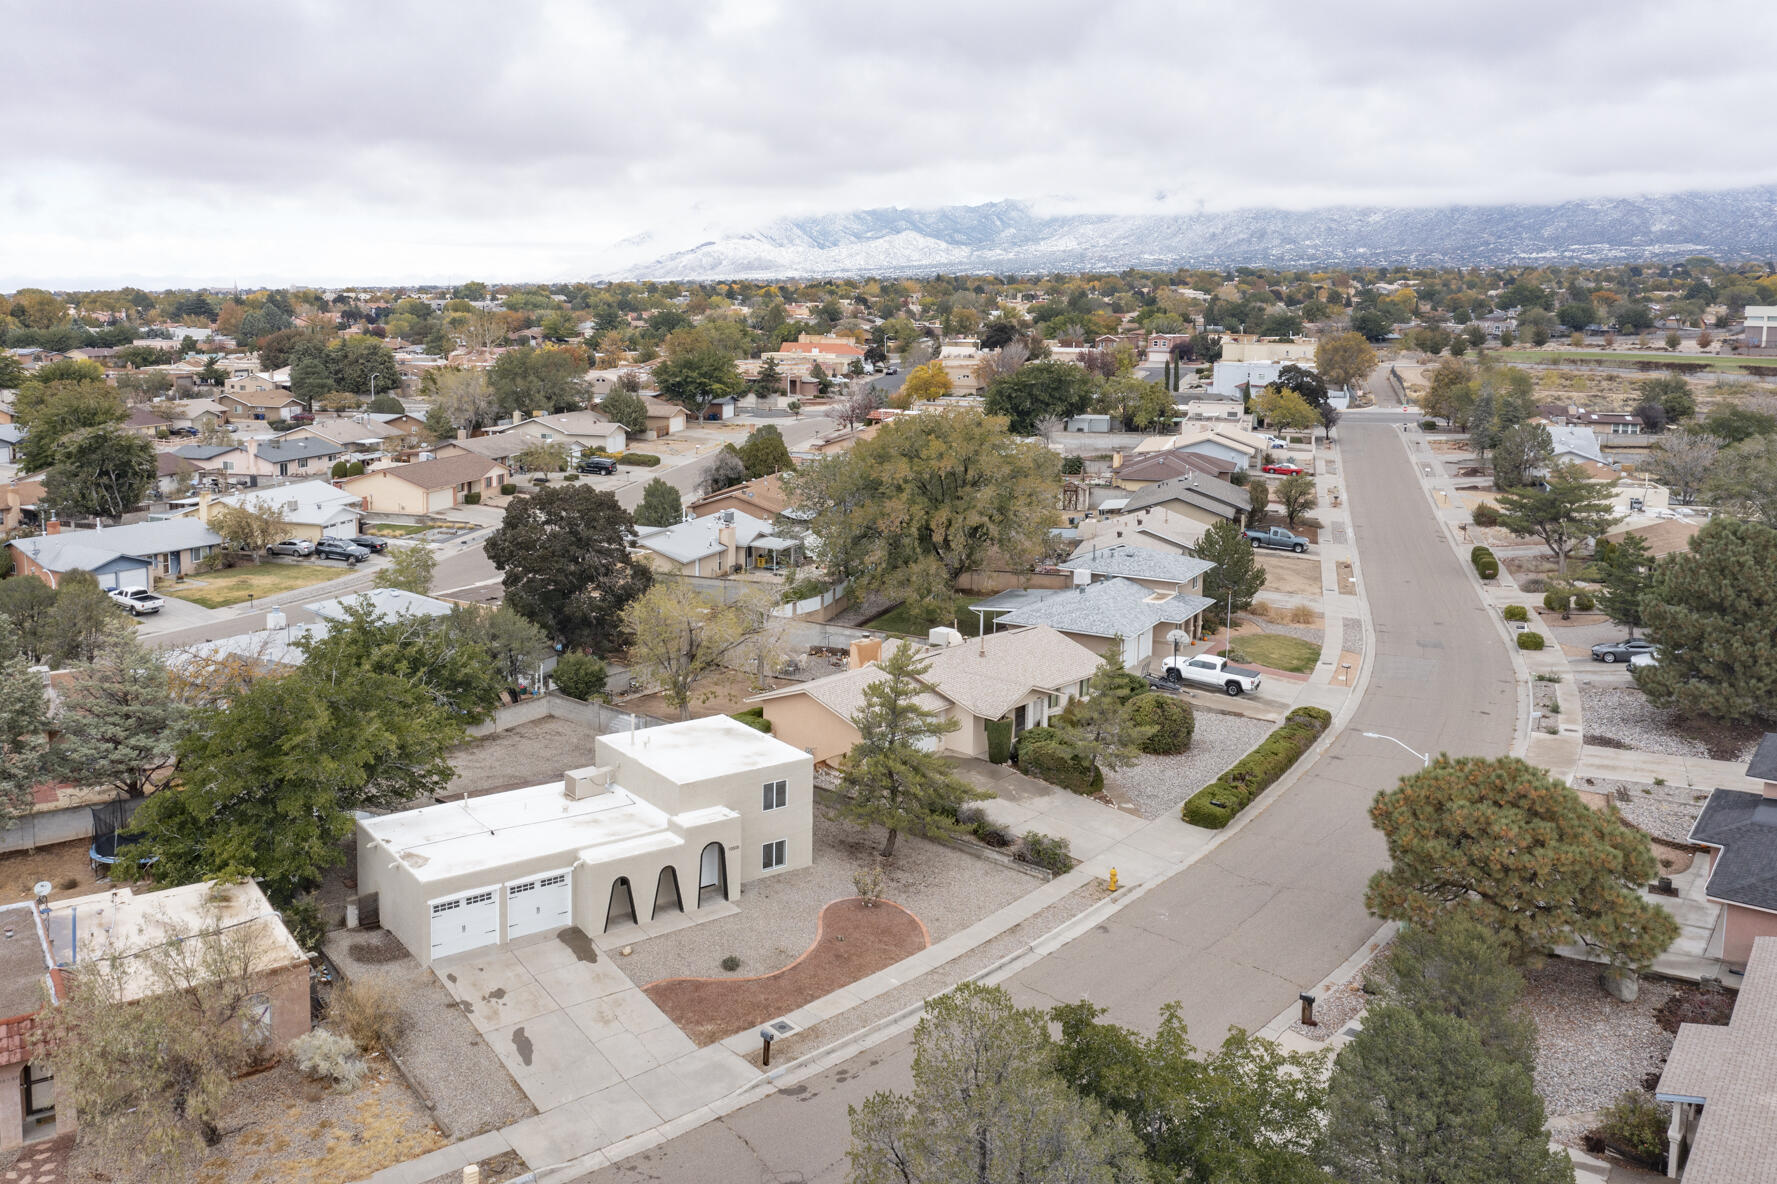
313, 141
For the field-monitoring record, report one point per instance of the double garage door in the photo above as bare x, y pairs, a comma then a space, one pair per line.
470, 920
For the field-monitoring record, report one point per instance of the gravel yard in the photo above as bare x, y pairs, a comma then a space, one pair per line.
1591, 1047
946, 888
1621, 717
529, 754
1351, 633
1661, 811
1544, 700
1158, 785
469, 1087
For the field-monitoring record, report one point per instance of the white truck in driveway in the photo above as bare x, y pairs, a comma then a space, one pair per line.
1212, 670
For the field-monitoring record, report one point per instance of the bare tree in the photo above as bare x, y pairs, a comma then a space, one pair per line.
681, 636
1683, 461
854, 407
464, 396
250, 527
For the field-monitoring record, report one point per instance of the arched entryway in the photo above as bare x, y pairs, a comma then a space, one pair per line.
712, 875
666, 891
622, 909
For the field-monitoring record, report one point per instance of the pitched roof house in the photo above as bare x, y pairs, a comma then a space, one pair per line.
427, 486
1197, 496
763, 497
1741, 825
312, 509
1098, 613
130, 556
577, 429
715, 545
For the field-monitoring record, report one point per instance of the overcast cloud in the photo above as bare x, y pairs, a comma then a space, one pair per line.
323, 142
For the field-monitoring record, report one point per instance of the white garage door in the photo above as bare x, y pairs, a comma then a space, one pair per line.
465, 922
539, 904
132, 577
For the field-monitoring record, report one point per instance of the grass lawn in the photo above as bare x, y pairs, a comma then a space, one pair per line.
396, 529
1627, 358
899, 620
1276, 650
235, 585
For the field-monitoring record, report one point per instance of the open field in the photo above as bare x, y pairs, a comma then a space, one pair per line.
268, 579
1637, 359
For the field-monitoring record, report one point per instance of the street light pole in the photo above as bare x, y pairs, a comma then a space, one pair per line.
1424, 760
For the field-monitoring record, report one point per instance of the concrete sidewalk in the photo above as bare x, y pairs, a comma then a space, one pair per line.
1622, 764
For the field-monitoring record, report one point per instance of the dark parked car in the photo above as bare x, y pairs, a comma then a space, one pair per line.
340, 549
1621, 651
598, 464
370, 543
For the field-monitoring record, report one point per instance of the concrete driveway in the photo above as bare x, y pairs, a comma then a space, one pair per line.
584, 1043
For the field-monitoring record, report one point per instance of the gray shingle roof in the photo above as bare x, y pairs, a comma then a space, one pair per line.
1744, 826
1139, 563
1764, 761
69, 549
1196, 491
308, 447
1108, 608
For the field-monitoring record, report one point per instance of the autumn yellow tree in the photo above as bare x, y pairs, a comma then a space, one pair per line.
925, 382
1344, 358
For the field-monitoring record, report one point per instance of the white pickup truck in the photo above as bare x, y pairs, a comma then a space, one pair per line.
1212, 670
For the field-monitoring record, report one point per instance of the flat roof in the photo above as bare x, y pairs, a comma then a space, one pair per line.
490, 833
698, 749
24, 961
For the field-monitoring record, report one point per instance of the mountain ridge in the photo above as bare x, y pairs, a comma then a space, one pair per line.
1009, 236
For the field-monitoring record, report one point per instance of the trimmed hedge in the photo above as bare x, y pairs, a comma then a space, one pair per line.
1056, 763
1428, 425
1558, 600
1486, 566
754, 718
999, 740
472, 498
644, 460
1220, 800
1516, 612
1530, 641
508, 489
1169, 716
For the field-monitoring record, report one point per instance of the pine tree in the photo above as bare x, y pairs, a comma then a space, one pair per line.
1628, 571
894, 775
1235, 568
24, 727
1567, 508
1100, 727
1713, 612
120, 725
660, 506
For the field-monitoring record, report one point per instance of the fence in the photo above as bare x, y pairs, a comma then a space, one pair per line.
605, 719
813, 604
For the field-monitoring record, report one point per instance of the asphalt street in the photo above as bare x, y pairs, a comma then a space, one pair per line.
1238, 934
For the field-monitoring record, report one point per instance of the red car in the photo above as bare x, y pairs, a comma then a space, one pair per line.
1284, 469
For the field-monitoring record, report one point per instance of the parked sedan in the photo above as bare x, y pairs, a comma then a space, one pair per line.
370, 543
1621, 651
340, 549
1284, 469
298, 547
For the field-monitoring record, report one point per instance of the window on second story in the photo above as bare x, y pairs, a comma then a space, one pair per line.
776, 794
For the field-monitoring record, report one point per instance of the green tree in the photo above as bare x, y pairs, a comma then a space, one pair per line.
627, 409
12, 373
1733, 423
1712, 610
24, 724
1456, 967
1625, 576
1450, 392
28, 606
1519, 453
564, 555
119, 722
1344, 358
1038, 391
661, 505
697, 372
272, 778
516, 646
1235, 573
1247, 1113
1296, 496
1576, 315
1258, 493
453, 669
250, 527
579, 676
82, 618
1101, 726
679, 636
1285, 410
544, 381
765, 452
102, 471
410, 568
385, 404
52, 412
987, 1107
1743, 482
1673, 394
1519, 852
1416, 1098
360, 361
1565, 510
310, 380
894, 775
725, 470
928, 499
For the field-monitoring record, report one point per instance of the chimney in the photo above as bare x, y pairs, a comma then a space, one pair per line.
863, 651
203, 505
462, 433
725, 536
1082, 577
590, 782
53, 526
275, 619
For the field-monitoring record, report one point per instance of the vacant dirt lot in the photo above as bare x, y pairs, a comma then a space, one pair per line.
1296, 577
529, 754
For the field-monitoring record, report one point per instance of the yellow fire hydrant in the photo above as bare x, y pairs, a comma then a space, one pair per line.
1112, 885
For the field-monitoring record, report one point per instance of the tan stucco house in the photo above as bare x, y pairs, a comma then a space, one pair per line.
427, 486
1741, 828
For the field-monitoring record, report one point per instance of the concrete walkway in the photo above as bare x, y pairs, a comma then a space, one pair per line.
1622, 764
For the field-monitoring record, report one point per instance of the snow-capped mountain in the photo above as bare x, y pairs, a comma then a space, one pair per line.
1009, 236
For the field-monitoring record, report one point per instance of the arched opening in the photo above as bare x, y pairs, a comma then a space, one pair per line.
622, 909
666, 891
712, 875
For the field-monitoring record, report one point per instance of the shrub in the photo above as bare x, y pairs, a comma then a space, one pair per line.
1583, 602
1532, 584
1486, 514
1169, 716
579, 676
1558, 600
1072, 466
1033, 736
508, 489
567, 477
1516, 612
473, 497
355, 469
1428, 425
731, 963
303, 919
1530, 641
1637, 1124
339, 469
644, 460
868, 883
1253, 773
369, 1010
1056, 763
326, 1056
1047, 852
754, 718
999, 740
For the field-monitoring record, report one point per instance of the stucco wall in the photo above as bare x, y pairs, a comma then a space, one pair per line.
799, 720
1743, 925
384, 494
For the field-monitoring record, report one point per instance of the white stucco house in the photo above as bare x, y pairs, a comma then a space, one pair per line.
672, 820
